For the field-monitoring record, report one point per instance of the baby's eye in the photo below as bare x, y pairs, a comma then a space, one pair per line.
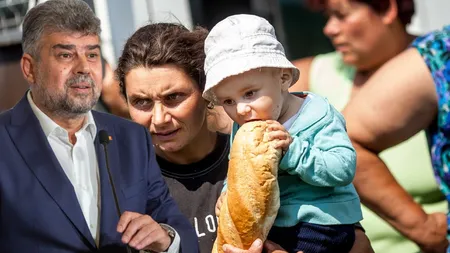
249, 94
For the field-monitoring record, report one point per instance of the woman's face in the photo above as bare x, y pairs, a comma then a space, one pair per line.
356, 31
167, 101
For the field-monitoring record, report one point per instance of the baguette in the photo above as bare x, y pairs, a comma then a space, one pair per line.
253, 198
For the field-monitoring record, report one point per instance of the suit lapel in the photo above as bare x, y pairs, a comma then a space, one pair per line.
34, 148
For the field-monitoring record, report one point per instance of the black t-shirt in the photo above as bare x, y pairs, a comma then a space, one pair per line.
196, 188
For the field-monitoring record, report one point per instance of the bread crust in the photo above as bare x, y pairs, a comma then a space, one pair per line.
252, 200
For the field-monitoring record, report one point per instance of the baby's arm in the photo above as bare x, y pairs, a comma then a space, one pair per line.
322, 155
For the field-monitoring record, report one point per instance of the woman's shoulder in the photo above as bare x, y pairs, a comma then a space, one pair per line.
326, 68
311, 69
330, 70
328, 76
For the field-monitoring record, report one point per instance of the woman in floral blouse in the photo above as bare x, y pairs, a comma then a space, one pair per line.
408, 94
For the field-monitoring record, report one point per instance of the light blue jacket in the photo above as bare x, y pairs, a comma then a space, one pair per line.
315, 175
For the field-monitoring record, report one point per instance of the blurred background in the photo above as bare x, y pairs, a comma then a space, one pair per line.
298, 28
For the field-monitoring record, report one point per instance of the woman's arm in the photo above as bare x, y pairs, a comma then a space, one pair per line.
397, 102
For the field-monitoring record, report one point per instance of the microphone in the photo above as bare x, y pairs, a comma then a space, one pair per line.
103, 137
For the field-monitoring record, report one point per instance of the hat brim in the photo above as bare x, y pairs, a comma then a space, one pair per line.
239, 64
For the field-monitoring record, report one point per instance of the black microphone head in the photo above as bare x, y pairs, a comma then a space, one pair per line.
103, 137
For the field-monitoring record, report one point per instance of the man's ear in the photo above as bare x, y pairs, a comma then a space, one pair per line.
286, 78
391, 13
28, 64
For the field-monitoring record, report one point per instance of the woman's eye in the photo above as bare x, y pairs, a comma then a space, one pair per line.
340, 15
140, 103
174, 96
174, 99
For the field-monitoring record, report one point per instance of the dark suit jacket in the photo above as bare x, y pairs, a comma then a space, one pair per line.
39, 211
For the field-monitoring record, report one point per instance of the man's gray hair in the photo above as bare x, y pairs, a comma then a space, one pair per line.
57, 16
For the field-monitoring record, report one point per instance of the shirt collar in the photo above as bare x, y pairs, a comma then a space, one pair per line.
48, 125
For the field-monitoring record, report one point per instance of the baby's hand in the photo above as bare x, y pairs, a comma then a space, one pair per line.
278, 134
219, 202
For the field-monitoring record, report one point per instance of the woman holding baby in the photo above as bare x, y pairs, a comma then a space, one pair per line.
162, 78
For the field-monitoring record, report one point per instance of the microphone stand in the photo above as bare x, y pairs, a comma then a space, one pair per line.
104, 140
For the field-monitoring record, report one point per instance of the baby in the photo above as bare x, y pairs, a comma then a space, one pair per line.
248, 74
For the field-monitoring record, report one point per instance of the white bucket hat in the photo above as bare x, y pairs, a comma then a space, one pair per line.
241, 43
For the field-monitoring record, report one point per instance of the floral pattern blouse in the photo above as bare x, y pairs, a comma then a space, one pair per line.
435, 50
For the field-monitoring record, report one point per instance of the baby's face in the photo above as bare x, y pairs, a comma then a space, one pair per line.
252, 95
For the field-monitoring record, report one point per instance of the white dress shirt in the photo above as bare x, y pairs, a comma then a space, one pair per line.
79, 162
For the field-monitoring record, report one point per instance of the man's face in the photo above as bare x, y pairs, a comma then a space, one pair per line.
68, 73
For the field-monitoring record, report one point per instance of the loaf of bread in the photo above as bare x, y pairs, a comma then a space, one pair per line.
253, 198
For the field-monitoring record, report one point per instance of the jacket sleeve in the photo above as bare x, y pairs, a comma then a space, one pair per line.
162, 207
323, 155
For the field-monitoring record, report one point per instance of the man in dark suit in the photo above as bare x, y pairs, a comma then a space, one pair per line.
55, 194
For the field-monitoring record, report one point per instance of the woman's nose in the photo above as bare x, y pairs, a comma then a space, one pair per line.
331, 28
160, 115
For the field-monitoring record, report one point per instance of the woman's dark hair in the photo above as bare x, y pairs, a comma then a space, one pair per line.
164, 43
405, 8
